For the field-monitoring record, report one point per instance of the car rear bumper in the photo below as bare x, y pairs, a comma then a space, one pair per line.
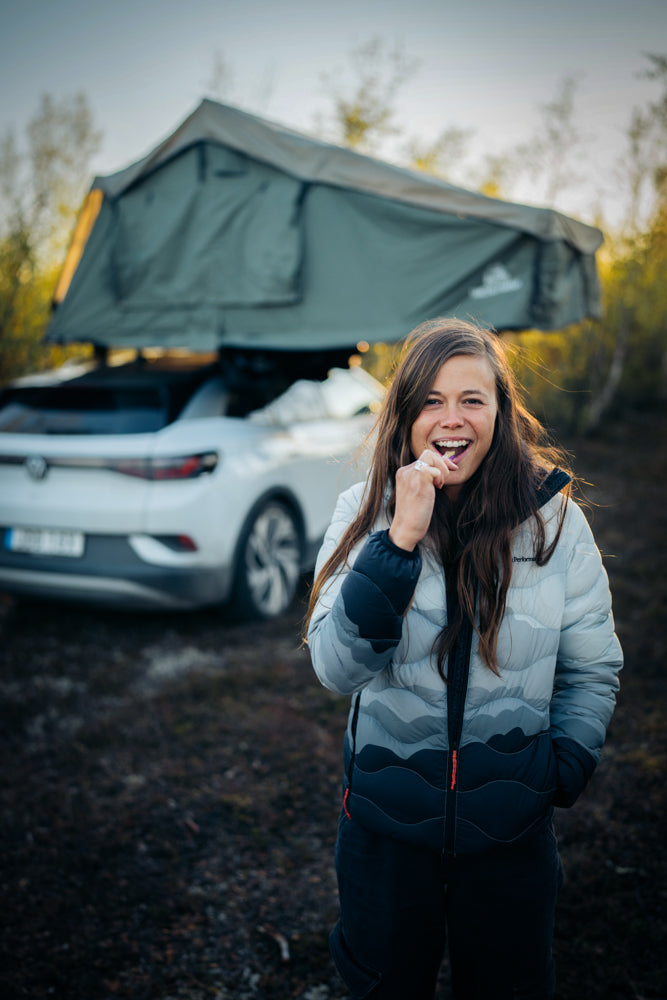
111, 573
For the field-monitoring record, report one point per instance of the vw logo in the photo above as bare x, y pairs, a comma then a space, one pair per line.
36, 466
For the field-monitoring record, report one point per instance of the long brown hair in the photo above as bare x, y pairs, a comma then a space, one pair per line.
472, 536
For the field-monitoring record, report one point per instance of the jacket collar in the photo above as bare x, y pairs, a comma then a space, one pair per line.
551, 485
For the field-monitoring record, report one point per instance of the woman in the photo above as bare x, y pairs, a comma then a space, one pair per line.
461, 600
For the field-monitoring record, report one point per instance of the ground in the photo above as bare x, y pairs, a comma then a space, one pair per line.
170, 790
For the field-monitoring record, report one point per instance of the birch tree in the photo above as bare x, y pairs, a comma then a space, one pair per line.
43, 177
363, 113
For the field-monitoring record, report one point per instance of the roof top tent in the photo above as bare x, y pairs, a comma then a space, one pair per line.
238, 233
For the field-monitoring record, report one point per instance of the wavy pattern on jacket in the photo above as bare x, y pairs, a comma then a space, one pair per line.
531, 737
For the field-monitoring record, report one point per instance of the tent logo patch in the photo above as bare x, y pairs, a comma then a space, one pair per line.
36, 466
496, 280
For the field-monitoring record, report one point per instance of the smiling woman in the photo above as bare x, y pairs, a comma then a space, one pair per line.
460, 598
458, 419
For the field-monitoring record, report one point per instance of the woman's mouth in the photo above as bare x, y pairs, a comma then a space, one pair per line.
453, 449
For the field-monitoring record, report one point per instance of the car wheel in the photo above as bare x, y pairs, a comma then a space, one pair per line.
269, 563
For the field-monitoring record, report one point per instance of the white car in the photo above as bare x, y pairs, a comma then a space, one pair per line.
167, 483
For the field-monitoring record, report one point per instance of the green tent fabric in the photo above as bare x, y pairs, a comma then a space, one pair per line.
237, 232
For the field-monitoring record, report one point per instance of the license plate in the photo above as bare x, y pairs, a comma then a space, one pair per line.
45, 542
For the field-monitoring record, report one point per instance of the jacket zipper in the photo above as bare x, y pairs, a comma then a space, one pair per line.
457, 686
353, 753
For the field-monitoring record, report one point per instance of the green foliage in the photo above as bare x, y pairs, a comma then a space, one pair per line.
26, 300
381, 359
42, 182
550, 155
636, 309
633, 269
443, 157
552, 369
363, 114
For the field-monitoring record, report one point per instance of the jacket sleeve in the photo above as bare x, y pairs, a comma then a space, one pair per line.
358, 620
589, 659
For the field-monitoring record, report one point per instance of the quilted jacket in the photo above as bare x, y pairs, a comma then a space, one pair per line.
480, 761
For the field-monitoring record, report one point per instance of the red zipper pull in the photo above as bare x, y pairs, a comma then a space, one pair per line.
454, 765
347, 811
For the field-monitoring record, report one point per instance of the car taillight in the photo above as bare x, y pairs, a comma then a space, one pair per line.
178, 543
183, 467
172, 467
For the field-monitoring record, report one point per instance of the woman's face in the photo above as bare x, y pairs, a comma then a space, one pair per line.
459, 417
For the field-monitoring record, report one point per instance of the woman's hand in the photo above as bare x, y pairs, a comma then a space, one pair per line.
415, 496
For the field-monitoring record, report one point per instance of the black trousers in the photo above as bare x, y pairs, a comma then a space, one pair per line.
401, 906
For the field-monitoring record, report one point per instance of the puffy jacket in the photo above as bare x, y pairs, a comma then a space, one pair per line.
479, 761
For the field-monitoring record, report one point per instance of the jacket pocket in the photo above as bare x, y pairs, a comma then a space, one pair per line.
504, 793
360, 979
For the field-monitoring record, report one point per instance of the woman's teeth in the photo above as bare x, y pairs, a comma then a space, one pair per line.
449, 448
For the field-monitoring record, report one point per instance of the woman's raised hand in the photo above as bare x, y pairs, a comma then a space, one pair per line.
415, 496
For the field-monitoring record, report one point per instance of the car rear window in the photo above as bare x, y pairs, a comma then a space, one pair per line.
83, 409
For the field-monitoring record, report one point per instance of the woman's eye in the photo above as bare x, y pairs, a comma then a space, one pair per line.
473, 402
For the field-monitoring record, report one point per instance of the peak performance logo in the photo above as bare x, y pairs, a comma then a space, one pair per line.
36, 466
496, 280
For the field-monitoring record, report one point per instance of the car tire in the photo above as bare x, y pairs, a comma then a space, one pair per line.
269, 563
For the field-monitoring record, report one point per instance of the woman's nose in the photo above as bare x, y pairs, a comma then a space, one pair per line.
451, 417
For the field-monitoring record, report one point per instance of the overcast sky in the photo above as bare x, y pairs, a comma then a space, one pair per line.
484, 65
